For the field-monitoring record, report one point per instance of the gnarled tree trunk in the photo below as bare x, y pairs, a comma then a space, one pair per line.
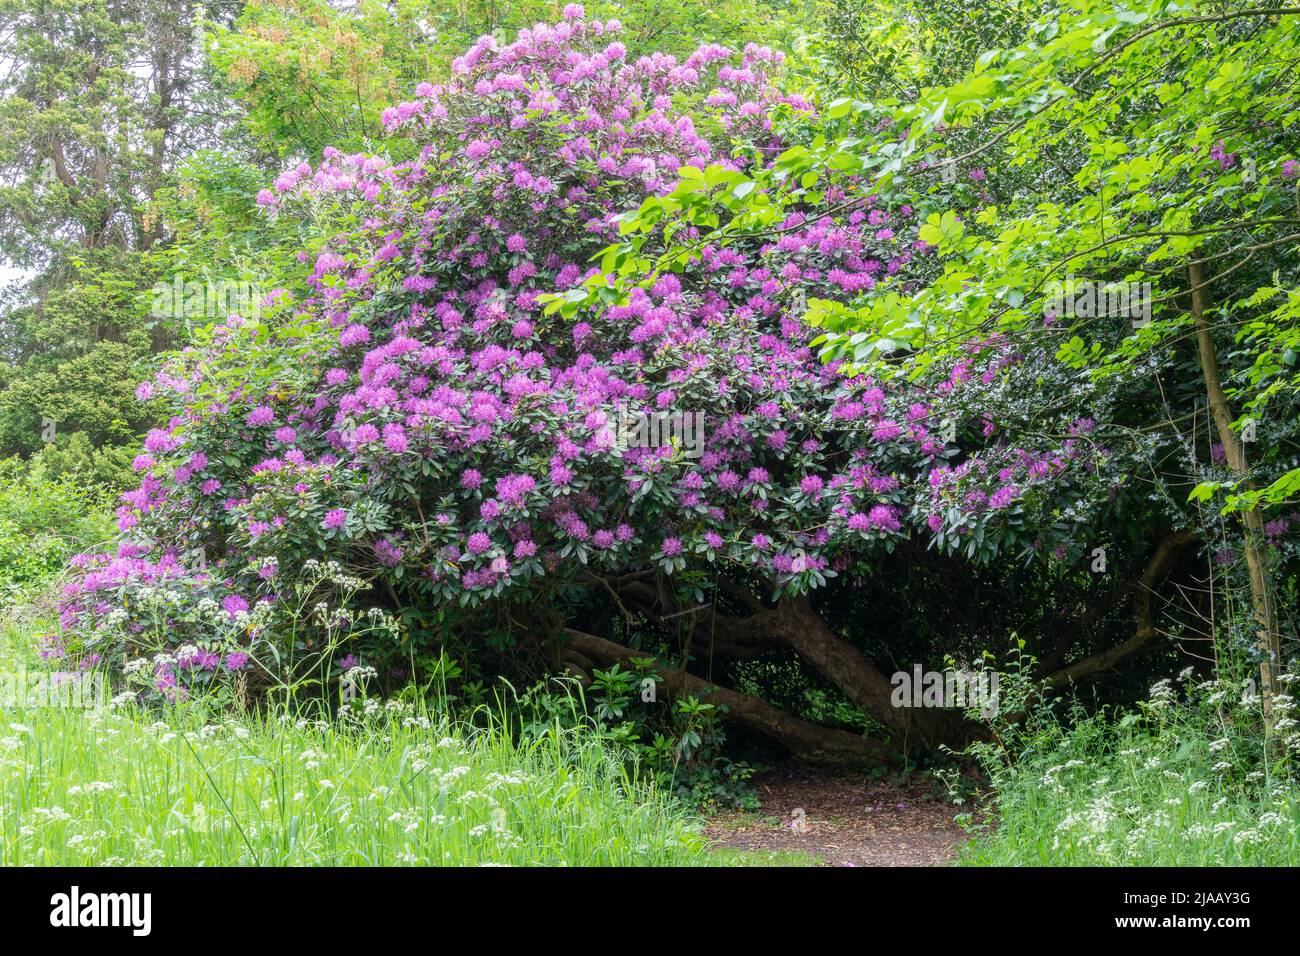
792, 623
806, 742
802, 628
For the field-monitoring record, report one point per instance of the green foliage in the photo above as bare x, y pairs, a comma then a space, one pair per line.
1173, 783
44, 520
678, 743
1190, 776
888, 51
79, 414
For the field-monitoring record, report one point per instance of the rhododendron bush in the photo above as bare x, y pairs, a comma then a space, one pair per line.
409, 429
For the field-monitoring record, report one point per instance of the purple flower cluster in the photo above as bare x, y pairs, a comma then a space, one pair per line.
459, 440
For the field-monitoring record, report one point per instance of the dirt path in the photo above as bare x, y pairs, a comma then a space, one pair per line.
847, 821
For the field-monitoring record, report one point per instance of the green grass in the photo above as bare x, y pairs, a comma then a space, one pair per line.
114, 788
731, 856
1182, 782
192, 785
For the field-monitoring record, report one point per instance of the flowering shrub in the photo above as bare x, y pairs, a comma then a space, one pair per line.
201, 630
416, 413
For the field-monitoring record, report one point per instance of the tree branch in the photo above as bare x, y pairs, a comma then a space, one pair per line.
807, 742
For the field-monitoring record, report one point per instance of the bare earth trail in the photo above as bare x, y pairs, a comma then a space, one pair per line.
847, 821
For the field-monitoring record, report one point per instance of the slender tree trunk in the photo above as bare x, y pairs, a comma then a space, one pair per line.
1234, 450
